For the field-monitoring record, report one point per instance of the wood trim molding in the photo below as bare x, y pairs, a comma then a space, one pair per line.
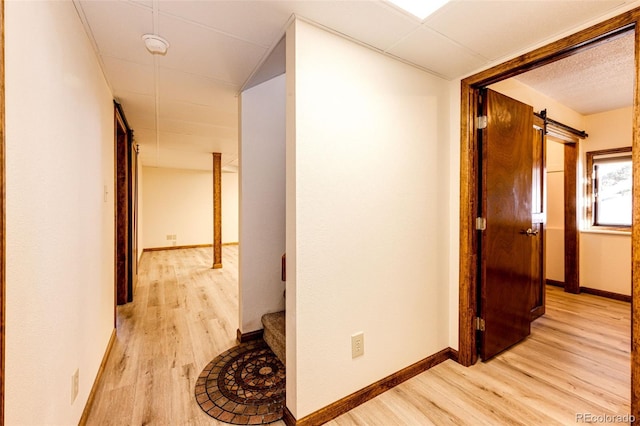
132, 218
555, 283
217, 210
189, 246
363, 395
560, 135
468, 235
176, 247
94, 388
567, 46
250, 336
470, 86
635, 243
607, 294
594, 291
287, 417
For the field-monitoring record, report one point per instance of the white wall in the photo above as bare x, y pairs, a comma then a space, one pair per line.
554, 230
180, 202
453, 203
605, 259
605, 262
367, 216
610, 129
140, 241
60, 231
230, 207
262, 201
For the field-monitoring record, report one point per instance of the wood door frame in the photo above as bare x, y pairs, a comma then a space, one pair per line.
132, 218
121, 206
571, 159
125, 208
538, 221
585, 39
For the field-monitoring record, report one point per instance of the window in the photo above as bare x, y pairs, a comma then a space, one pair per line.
609, 184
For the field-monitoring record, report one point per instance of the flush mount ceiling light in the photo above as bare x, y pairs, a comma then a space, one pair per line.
419, 8
155, 44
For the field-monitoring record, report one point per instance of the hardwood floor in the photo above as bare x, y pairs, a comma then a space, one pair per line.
185, 313
577, 360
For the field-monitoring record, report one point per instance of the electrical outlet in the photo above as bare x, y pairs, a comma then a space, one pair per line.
169, 237
75, 379
357, 345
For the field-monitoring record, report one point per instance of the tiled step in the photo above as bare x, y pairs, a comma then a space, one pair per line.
274, 333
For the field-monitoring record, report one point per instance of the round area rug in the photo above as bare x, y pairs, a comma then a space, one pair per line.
244, 385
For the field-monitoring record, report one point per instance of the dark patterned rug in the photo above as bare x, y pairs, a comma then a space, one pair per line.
244, 385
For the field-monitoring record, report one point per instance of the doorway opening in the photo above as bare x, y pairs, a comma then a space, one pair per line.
469, 198
126, 202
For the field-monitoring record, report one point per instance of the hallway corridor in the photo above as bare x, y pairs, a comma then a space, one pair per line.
184, 314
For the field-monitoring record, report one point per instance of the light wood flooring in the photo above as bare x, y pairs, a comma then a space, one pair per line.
184, 314
577, 360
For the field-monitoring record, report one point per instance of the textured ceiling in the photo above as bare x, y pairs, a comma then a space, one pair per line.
596, 80
184, 105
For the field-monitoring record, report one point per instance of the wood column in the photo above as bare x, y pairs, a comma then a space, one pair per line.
217, 211
571, 234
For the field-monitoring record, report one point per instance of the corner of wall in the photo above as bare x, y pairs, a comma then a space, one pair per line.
454, 212
290, 227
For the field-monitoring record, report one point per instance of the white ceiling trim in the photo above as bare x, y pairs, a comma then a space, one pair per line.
92, 40
368, 46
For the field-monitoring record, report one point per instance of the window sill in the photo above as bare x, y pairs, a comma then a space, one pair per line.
605, 231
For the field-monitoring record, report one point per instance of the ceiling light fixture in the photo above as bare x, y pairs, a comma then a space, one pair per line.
155, 44
419, 8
